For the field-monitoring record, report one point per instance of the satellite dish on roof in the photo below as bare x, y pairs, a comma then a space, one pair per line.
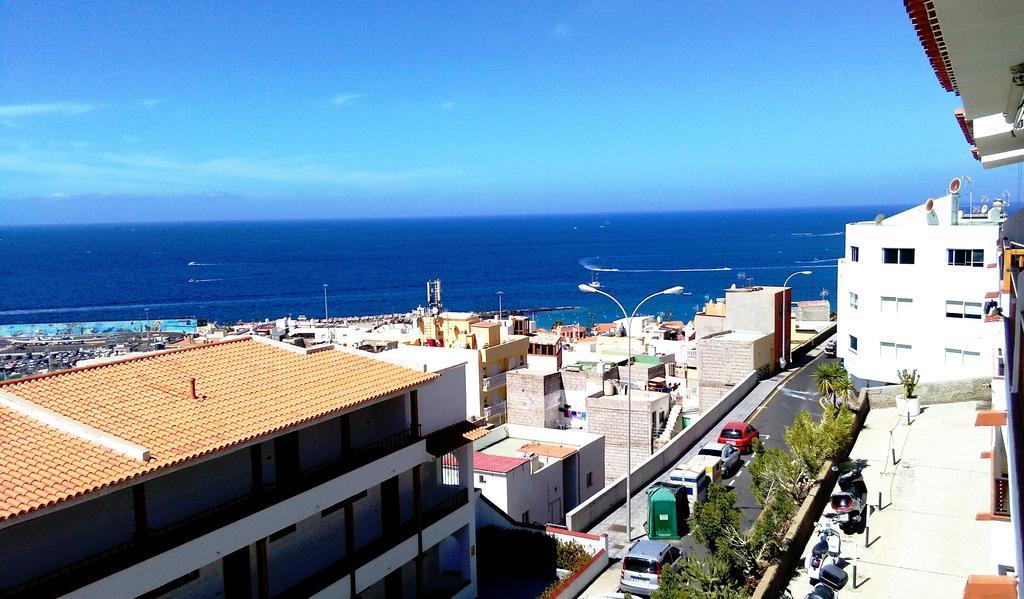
954, 186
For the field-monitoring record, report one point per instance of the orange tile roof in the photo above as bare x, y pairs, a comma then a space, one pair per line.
547, 449
246, 388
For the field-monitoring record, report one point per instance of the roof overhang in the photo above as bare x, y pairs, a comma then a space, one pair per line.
972, 47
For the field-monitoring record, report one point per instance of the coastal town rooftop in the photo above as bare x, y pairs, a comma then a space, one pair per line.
78, 431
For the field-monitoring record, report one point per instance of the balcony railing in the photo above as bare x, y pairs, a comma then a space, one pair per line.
158, 540
376, 548
493, 382
495, 409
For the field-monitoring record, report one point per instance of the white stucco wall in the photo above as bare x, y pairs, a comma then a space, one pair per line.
922, 323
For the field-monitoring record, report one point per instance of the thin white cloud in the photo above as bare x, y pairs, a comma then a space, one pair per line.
66, 108
151, 102
343, 99
561, 30
447, 106
118, 169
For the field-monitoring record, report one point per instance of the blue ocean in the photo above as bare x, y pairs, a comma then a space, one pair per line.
233, 271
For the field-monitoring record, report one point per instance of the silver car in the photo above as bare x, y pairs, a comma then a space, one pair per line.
643, 565
729, 455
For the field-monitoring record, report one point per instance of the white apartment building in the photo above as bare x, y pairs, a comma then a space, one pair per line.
245, 468
913, 289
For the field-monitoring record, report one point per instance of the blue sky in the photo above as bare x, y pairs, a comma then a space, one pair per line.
185, 111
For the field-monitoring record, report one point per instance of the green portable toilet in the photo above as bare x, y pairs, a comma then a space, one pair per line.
667, 509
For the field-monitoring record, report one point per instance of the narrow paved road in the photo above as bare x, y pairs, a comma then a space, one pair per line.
771, 417
799, 392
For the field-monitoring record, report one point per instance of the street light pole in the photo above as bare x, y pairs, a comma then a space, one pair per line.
325, 301
629, 386
785, 330
500, 293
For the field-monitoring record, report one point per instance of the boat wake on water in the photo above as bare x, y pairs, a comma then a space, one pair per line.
836, 234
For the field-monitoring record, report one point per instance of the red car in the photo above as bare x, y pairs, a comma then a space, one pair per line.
740, 435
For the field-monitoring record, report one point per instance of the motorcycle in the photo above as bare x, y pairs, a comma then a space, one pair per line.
833, 579
823, 553
852, 500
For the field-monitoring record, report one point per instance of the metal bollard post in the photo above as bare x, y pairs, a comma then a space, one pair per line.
893, 456
879, 500
867, 535
856, 560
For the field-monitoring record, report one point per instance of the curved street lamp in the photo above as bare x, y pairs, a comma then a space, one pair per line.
785, 330
678, 289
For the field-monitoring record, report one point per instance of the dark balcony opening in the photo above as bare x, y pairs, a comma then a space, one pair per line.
159, 540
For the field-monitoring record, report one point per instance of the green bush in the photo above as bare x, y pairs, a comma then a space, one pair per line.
767, 534
812, 443
692, 578
570, 556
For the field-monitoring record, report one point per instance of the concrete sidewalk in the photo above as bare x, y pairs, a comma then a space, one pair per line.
926, 540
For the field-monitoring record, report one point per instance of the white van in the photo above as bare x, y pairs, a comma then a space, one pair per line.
695, 480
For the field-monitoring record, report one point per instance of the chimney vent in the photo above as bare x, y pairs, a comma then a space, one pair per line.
192, 390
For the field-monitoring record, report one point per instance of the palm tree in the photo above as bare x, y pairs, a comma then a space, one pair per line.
833, 382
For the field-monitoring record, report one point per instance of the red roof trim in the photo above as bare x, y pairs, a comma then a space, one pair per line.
967, 126
926, 22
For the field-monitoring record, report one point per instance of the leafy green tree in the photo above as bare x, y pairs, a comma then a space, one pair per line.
716, 519
773, 470
769, 531
811, 443
693, 578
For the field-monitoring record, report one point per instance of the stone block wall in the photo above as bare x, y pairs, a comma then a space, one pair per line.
606, 415
976, 389
533, 397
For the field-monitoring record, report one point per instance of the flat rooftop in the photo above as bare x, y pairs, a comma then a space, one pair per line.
926, 538
513, 446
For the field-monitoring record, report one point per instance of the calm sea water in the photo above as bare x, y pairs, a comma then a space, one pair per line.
231, 271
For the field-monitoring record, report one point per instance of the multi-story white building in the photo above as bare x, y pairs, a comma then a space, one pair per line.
913, 289
245, 468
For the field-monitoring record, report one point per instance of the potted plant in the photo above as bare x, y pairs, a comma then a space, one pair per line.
910, 404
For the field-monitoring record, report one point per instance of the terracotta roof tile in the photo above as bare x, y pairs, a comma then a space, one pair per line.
247, 389
548, 449
496, 463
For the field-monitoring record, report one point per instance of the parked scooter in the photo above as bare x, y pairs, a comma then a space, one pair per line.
833, 579
825, 552
852, 500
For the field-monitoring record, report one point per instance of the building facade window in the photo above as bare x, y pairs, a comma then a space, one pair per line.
973, 258
890, 350
854, 253
959, 309
892, 304
898, 255
853, 300
853, 344
590, 479
962, 357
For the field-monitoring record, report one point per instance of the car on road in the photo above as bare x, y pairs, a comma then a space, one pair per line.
830, 348
740, 435
729, 456
643, 564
